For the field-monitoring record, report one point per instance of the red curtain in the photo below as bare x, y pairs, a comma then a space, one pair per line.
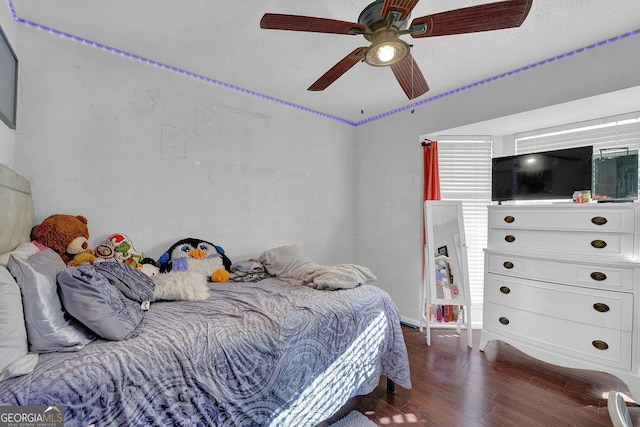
431, 187
431, 171
431, 179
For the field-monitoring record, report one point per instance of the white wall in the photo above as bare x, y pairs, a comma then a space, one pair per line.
389, 227
160, 156
7, 136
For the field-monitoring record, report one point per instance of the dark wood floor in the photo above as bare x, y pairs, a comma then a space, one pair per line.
457, 386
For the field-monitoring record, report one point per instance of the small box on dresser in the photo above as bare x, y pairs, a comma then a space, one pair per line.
562, 285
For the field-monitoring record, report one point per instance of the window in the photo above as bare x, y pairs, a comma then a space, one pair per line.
465, 175
621, 131
607, 135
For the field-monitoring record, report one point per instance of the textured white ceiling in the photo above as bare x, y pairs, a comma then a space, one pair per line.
223, 41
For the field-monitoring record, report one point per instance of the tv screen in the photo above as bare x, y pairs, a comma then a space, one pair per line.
8, 82
545, 175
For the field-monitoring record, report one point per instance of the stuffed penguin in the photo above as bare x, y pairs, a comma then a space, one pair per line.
196, 255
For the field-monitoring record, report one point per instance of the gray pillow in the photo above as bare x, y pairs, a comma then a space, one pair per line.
89, 296
48, 327
286, 261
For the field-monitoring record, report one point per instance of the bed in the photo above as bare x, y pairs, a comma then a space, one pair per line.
258, 353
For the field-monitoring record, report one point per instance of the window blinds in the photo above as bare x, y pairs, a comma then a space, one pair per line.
465, 175
622, 131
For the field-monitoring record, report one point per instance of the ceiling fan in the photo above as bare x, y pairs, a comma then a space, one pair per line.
384, 21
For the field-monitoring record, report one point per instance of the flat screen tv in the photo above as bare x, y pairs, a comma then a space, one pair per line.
539, 176
8, 82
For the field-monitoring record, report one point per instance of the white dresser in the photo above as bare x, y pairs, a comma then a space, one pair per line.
562, 284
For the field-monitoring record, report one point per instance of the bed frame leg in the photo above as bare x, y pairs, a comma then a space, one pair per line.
391, 386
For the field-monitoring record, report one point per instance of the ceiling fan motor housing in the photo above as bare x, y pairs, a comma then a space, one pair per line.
372, 17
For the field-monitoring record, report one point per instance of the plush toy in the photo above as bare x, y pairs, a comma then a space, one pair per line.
104, 253
149, 266
196, 255
118, 247
68, 235
122, 250
81, 258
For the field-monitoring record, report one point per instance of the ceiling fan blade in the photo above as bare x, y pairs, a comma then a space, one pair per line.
402, 7
338, 70
485, 17
410, 77
276, 21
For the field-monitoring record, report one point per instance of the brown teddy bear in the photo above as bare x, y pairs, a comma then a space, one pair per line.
68, 235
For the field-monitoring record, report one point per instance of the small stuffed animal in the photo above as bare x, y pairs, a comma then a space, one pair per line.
149, 266
104, 253
196, 255
123, 250
118, 247
68, 235
81, 258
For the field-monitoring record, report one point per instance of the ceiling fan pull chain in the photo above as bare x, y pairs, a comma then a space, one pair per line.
362, 88
413, 110
413, 65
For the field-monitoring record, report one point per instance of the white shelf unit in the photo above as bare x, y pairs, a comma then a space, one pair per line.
446, 271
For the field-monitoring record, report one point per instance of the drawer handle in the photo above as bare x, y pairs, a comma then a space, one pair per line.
598, 276
504, 320
508, 265
601, 307
598, 244
509, 238
509, 219
599, 220
600, 345
505, 289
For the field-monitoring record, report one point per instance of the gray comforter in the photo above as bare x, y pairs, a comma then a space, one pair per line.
253, 354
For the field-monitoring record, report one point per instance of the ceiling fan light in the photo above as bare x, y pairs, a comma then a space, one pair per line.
386, 53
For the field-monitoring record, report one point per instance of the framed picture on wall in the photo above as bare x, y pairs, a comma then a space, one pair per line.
8, 82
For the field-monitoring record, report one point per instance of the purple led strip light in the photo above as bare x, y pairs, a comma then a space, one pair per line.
299, 107
174, 69
494, 78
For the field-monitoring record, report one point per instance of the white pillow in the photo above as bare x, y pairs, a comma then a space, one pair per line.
23, 251
14, 357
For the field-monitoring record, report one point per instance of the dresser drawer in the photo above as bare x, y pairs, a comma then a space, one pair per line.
605, 309
605, 219
588, 274
595, 344
588, 243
